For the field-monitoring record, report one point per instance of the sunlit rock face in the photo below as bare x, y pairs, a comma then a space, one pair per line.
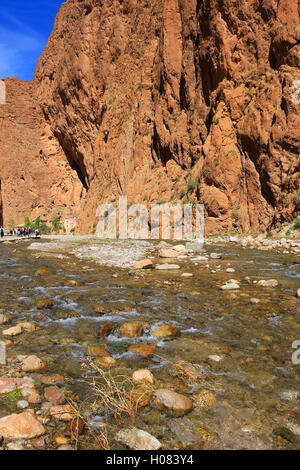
163, 100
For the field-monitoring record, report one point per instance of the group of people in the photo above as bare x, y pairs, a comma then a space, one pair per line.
19, 232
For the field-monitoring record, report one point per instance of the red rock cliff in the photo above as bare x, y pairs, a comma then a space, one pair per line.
192, 100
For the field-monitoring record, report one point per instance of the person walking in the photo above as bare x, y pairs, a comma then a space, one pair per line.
2, 232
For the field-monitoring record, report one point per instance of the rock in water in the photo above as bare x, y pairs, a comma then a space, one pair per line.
173, 403
144, 264
168, 253
269, 283
2, 353
166, 331
133, 329
20, 426
138, 439
143, 375
32, 364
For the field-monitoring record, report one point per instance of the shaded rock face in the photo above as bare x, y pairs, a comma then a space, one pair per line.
36, 179
182, 99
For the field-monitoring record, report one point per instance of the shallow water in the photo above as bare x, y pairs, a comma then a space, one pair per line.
254, 341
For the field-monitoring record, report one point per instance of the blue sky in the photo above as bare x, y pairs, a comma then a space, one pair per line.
25, 26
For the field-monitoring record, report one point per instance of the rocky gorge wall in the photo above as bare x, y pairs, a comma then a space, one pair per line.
168, 100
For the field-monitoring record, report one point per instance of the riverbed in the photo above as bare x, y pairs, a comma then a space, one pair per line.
242, 338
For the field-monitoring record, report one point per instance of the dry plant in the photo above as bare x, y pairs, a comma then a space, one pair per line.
117, 394
100, 439
194, 373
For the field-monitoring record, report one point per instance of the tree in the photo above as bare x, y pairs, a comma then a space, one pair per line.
11, 224
56, 225
27, 222
36, 224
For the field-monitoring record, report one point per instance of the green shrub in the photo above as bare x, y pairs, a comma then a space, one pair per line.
45, 230
297, 223
27, 222
56, 225
296, 200
191, 185
269, 234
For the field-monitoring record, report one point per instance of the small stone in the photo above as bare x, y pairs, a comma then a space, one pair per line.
105, 330
43, 272
174, 403
105, 361
138, 439
168, 253
166, 331
143, 375
180, 248
204, 399
215, 256
60, 441
254, 300
39, 443
215, 358
22, 404
14, 446
144, 264
230, 286
63, 412
142, 349
289, 395
8, 384
96, 351
186, 275
34, 398
133, 329
298, 293
27, 326
269, 283
32, 364
4, 318
20, 426
51, 379
230, 270
54, 395
14, 331
167, 266
44, 303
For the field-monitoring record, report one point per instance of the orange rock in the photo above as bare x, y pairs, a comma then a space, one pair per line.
133, 329
63, 412
54, 395
20, 426
32, 364
174, 403
143, 349
166, 331
143, 375
105, 330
